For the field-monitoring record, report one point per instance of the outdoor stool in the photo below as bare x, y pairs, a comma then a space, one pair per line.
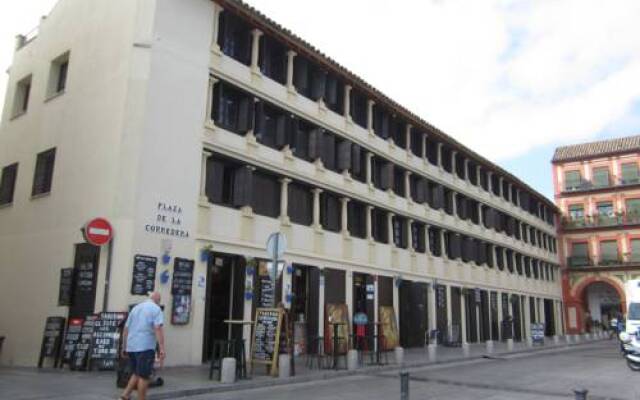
240, 356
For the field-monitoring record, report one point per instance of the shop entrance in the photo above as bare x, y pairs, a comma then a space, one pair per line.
224, 300
484, 315
517, 317
363, 299
305, 287
456, 314
441, 312
413, 313
493, 305
549, 318
471, 311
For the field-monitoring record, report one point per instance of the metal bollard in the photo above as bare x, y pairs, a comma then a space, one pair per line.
404, 386
581, 394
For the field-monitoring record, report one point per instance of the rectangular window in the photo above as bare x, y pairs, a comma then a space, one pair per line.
601, 177
8, 183
380, 226
633, 210
357, 219
267, 199
399, 181
605, 213
399, 232
399, 133
630, 174
416, 142
576, 211
58, 75
608, 251
300, 204
21, 96
228, 183
635, 250
232, 109
234, 37
330, 211
572, 180
418, 237
272, 126
434, 241
273, 59
44, 172
358, 108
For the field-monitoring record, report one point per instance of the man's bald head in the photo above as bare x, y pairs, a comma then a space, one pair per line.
155, 296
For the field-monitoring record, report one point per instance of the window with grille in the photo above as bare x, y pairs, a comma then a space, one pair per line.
601, 177
572, 180
8, 183
635, 250
44, 172
630, 173
608, 251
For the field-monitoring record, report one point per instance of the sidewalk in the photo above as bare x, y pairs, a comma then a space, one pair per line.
32, 384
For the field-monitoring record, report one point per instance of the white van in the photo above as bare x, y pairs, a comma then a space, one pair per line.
630, 334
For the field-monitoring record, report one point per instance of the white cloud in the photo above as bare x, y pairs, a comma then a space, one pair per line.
501, 76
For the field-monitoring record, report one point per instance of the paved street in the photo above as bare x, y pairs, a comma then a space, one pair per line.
543, 376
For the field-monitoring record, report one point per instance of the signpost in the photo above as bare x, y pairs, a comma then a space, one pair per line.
276, 246
99, 232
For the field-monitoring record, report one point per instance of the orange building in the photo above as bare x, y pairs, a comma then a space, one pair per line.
597, 188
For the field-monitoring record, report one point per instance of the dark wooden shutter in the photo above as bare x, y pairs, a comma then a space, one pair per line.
214, 181
331, 90
282, 126
222, 29
455, 243
438, 197
466, 249
356, 159
245, 114
242, 186
481, 253
315, 140
318, 84
260, 119
387, 176
463, 208
420, 193
328, 150
301, 75
344, 155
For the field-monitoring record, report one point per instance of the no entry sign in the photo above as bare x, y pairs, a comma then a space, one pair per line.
98, 232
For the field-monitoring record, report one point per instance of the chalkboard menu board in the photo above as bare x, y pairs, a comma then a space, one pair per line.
51, 340
80, 355
144, 275
441, 296
106, 339
267, 291
266, 336
537, 333
182, 277
71, 339
66, 285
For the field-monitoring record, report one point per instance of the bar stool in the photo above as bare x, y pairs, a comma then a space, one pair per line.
315, 352
221, 349
240, 356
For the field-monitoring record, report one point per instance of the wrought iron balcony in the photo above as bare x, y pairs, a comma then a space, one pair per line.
613, 182
616, 261
599, 221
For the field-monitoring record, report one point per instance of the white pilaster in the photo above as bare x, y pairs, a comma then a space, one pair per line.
203, 176
370, 104
217, 10
290, 62
316, 208
449, 309
284, 200
369, 223
347, 102
463, 317
407, 185
344, 217
255, 50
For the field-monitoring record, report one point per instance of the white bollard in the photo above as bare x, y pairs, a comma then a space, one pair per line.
399, 355
567, 339
432, 350
489, 344
556, 340
465, 349
284, 366
576, 338
352, 360
228, 372
509, 344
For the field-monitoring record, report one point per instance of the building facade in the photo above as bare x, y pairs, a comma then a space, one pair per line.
597, 188
199, 128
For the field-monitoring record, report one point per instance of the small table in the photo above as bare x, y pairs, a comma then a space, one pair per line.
336, 326
239, 354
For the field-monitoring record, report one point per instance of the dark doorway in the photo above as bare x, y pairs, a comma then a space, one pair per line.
472, 321
364, 298
549, 318
456, 314
413, 313
305, 286
532, 310
224, 300
517, 317
85, 270
441, 312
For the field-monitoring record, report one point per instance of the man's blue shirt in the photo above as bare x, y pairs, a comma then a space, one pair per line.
141, 324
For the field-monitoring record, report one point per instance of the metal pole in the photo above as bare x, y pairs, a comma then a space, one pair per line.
107, 277
404, 386
274, 270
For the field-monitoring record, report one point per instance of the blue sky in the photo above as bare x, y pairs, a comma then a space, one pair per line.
510, 79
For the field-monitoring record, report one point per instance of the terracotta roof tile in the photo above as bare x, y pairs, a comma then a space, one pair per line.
597, 149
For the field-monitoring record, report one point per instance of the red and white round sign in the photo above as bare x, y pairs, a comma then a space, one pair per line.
98, 231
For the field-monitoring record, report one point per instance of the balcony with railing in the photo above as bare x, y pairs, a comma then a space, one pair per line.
613, 182
601, 220
582, 261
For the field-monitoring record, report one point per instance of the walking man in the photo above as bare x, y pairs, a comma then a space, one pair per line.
143, 328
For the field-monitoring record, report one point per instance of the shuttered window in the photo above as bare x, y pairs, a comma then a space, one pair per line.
266, 198
633, 207
399, 181
300, 204
8, 183
630, 173
330, 211
380, 122
601, 177
576, 211
635, 250
572, 180
609, 250
418, 237
399, 133
579, 250
44, 172
399, 232
232, 109
358, 108
357, 219
416, 142
380, 226
434, 241
334, 94
234, 37
299, 139
358, 163
273, 59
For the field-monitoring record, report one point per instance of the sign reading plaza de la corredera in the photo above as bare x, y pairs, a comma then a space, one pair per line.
168, 221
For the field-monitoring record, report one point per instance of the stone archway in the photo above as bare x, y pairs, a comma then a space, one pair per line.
597, 298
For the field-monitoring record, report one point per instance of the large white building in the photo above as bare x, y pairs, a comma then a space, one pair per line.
197, 128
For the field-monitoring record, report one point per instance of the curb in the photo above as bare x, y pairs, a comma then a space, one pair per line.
223, 388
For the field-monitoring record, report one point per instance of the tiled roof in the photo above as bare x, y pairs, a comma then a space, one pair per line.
597, 149
302, 47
